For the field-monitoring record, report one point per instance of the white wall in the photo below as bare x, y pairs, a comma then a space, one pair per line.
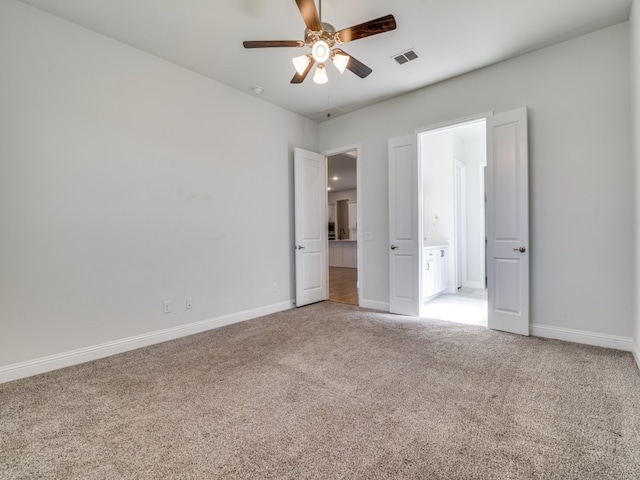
635, 76
581, 189
438, 210
350, 195
121, 185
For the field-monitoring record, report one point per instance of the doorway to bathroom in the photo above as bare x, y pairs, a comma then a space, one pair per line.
454, 241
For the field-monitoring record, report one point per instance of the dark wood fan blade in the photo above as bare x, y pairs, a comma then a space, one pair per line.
355, 65
272, 43
366, 29
297, 78
310, 14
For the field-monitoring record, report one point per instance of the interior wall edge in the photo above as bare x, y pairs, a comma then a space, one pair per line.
584, 337
636, 354
82, 355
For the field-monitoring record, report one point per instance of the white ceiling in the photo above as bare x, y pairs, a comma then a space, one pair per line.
451, 37
342, 168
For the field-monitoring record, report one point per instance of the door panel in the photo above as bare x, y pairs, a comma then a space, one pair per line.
507, 291
508, 222
311, 234
405, 283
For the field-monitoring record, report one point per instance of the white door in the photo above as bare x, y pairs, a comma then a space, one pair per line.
508, 222
311, 235
405, 232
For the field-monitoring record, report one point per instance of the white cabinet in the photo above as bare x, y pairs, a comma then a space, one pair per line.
343, 254
435, 270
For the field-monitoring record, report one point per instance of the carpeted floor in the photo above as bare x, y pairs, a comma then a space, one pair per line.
331, 391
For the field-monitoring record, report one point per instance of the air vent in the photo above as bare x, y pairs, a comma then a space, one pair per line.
331, 112
405, 57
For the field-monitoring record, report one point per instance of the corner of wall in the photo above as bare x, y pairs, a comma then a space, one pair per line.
634, 20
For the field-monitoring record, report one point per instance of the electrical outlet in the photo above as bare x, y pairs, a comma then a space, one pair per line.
275, 288
166, 306
189, 303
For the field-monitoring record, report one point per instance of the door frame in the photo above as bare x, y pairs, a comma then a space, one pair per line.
460, 218
359, 234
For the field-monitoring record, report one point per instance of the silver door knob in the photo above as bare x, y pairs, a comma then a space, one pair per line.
299, 247
521, 249
393, 247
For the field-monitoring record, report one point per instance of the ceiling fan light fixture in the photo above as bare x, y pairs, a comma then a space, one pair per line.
340, 60
320, 77
301, 63
320, 51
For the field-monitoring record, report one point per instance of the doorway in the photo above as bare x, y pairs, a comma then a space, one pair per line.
453, 198
342, 220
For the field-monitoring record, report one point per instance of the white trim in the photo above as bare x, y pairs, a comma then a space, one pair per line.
375, 305
460, 222
581, 336
86, 354
446, 125
475, 284
636, 354
483, 217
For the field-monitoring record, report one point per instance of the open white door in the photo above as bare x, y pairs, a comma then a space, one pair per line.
311, 237
404, 227
508, 222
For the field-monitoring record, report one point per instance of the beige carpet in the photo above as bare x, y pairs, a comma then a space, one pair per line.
331, 391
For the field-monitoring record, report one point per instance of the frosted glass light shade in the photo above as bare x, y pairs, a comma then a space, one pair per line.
320, 51
301, 63
320, 76
340, 60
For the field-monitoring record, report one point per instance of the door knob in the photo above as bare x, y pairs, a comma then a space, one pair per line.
521, 249
299, 247
393, 247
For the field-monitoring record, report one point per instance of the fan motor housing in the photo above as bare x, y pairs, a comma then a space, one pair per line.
327, 34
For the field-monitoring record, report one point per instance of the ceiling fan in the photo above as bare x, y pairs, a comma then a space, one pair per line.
322, 38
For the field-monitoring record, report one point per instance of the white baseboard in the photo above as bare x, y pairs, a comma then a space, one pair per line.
375, 305
82, 355
581, 336
636, 354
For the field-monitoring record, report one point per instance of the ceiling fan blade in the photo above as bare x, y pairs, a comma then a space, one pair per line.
298, 78
272, 43
310, 14
355, 65
366, 29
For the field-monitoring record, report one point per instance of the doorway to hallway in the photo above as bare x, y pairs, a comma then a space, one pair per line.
342, 218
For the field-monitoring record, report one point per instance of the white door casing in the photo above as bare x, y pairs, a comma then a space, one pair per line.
508, 222
405, 227
311, 235
460, 223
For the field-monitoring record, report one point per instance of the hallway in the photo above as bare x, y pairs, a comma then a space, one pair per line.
343, 285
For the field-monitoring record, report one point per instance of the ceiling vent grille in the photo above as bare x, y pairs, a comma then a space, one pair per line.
405, 57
